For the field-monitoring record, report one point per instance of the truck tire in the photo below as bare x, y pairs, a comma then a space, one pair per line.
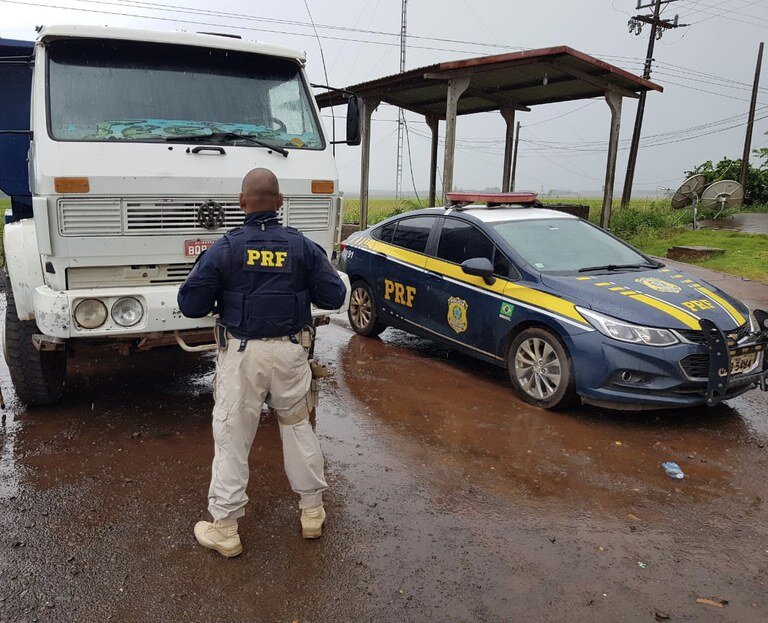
38, 377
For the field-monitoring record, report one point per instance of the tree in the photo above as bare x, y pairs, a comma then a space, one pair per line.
756, 187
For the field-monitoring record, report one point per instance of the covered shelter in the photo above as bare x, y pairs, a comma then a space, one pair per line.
508, 83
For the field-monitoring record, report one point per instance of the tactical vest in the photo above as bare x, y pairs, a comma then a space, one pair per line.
265, 289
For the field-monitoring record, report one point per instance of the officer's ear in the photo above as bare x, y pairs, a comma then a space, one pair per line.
241, 201
279, 201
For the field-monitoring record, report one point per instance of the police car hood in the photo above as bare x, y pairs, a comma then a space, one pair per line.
655, 298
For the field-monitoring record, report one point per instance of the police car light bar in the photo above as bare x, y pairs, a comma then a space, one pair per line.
459, 200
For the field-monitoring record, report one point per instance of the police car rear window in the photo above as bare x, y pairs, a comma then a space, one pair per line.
412, 233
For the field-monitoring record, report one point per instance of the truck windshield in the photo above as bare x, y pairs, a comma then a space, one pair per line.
569, 245
108, 90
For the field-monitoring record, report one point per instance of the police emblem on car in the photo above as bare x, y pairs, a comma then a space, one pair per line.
457, 314
654, 283
572, 312
210, 214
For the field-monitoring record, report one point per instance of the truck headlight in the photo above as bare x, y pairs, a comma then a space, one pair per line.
90, 313
127, 311
626, 332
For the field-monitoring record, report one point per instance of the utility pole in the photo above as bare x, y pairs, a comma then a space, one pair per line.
658, 26
401, 112
751, 122
514, 159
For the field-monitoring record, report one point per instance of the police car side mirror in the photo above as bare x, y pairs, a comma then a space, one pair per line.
479, 267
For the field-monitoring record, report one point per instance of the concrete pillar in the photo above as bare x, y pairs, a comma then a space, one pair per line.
456, 86
509, 117
434, 126
614, 103
369, 105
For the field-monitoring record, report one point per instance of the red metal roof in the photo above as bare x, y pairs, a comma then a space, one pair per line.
516, 79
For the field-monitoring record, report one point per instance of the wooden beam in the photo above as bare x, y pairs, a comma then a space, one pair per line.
503, 102
597, 81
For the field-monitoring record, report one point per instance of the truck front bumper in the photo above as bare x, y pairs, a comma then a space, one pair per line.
54, 311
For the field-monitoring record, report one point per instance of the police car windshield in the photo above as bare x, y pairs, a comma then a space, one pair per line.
567, 245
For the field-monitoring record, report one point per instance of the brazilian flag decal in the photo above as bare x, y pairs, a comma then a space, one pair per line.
506, 311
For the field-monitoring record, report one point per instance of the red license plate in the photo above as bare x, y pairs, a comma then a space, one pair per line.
193, 248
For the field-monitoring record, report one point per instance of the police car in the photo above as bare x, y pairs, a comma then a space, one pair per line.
570, 310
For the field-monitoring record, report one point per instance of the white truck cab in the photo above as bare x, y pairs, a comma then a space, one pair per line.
138, 143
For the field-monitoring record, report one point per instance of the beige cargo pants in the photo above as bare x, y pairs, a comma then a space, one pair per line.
275, 371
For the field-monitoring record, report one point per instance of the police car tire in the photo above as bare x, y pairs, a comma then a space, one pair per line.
373, 327
565, 394
38, 377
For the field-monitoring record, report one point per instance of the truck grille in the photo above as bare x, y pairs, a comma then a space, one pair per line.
136, 275
140, 217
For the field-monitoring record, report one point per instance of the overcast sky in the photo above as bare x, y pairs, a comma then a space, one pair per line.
706, 71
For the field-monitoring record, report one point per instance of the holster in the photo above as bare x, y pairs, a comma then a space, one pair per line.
220, 336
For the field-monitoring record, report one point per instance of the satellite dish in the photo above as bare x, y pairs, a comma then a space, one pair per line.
689, 191
722, 195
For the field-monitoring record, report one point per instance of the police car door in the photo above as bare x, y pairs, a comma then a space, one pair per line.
463, 308
398, 269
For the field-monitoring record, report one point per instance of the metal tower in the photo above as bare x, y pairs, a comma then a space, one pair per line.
401, 112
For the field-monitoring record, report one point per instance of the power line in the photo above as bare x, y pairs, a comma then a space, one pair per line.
410, 160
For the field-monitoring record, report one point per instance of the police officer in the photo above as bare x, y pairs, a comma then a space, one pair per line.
261, 278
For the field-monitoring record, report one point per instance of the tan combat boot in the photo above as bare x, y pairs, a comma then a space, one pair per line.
312, 520
219, 535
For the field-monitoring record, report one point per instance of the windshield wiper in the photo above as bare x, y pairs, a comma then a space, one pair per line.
226, 137
617, 267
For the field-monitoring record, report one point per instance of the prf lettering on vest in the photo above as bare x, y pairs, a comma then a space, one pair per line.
699, 305
275, 259
400, 293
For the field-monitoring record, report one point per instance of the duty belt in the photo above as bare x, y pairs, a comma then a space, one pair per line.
223, 336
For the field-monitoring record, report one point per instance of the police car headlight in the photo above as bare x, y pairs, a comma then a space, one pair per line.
90, 313
127, 311
626, 332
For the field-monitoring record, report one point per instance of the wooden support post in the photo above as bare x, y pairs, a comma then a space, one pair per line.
614, 102
369, 105
456, 86
514, 158
509, 137
434, 126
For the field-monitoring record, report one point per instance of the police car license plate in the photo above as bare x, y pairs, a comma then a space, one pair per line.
196, 247
742, 363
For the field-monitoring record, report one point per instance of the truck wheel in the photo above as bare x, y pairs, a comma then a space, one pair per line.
38, 377
362, 311
540, 369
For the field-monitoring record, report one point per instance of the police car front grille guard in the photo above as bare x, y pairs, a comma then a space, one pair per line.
720, 356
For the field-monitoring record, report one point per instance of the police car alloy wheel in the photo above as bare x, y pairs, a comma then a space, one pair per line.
540, 369
362, 311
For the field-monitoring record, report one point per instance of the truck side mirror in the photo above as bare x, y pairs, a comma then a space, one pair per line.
353, 120
479, 267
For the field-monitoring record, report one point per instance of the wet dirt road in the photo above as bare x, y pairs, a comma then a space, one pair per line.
450, 501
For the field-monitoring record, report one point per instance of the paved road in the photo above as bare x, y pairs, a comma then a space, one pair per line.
747, 222
451, 501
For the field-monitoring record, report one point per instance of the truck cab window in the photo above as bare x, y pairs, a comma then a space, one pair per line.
108, 90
